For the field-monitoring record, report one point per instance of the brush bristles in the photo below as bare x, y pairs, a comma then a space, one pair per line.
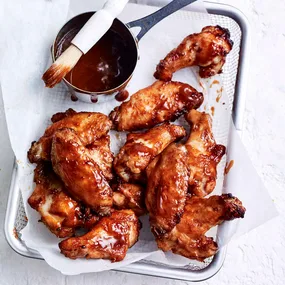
62, 66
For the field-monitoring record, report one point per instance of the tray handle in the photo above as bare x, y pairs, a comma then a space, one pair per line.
149, 21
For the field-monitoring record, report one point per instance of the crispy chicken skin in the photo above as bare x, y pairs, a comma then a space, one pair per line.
101, 153
87, 125
160, 102
141, 148
188, 237
203, 154
61, 214
129, 196
62, 115
207, 49
109, 239
167, 189
79, 172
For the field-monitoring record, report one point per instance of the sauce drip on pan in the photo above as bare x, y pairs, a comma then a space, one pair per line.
94, 98
73, 98
105, 66
122, 95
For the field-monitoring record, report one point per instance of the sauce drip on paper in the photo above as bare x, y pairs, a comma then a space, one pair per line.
228, 167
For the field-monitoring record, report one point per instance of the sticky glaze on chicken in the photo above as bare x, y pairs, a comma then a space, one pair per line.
101, 153
203, 154
160, 102
130, 196
81, 175
188, 237
167, 188
61, 214
141, 148
109, 239
87, 125
207, 49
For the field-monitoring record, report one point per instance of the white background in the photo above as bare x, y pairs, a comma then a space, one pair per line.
256, 258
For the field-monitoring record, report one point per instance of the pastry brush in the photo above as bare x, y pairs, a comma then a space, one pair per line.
86, 38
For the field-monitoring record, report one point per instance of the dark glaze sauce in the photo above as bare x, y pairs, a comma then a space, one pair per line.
94, 98
105, 66
122, 95
73, 98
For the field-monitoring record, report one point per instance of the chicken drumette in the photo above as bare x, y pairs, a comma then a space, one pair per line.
141, 148
81, 175
207, 49
109, 239
87, 125
160, 102
203, 154
61, 214
200, 214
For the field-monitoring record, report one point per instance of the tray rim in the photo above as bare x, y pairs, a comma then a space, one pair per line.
238, 114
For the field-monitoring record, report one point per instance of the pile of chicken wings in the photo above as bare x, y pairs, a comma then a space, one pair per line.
81, 185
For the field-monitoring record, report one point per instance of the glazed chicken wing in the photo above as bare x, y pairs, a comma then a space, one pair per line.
167, 189
109, 239
81, 175
203, 154
130, 196
188, 237
101, 153
87, 125
207, 49
141, 148
160, 102
61, 214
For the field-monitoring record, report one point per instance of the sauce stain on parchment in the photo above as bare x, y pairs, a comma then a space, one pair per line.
202, 86
219, 94
15, 233
213, 111
218, 97
214, 82
228, 167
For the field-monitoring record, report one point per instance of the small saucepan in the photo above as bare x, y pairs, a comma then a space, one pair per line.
130, 52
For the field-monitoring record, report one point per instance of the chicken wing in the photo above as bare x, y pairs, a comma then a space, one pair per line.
81, 175
207, 49
101, 153
167, 189
188, 237
203, 154
130, 196
88, 126
141, 148
109, 239
61, 214
160, 102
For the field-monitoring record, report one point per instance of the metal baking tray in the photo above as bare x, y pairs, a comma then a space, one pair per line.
234, 79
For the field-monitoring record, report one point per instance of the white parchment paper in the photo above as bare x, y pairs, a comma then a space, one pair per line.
29, 106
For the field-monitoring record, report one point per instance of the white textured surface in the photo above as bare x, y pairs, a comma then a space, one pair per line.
258, 257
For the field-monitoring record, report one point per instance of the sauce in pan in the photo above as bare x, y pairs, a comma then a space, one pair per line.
105, 66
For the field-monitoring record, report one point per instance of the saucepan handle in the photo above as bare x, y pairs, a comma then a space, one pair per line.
149, 21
